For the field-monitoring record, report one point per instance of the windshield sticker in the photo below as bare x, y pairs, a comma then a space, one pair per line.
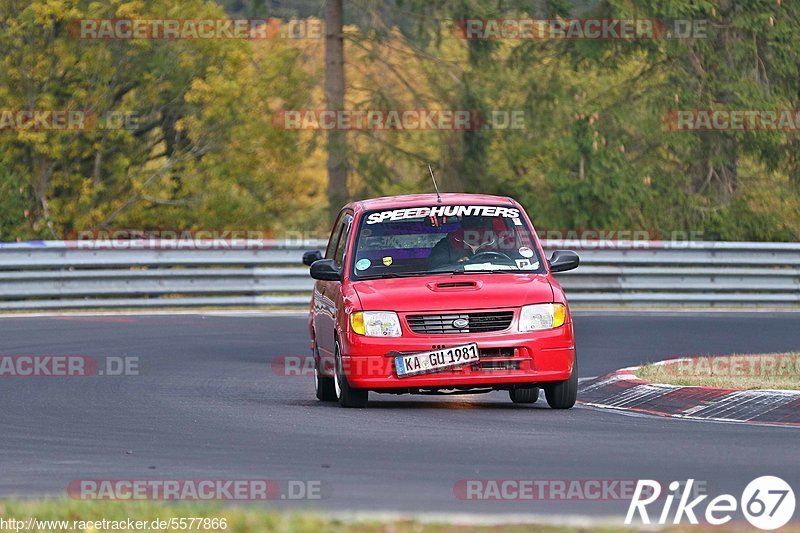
443, 211
525, 252
387, 261
517, 222
524, 264
363, 264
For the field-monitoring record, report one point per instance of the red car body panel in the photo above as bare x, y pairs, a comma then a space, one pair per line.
434, 294
509, 357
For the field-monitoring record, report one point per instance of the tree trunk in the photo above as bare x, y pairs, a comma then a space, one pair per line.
334, 97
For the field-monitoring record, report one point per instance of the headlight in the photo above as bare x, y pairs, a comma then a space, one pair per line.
376, 323
542, 316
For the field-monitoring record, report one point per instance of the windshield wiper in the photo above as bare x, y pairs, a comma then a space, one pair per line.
408, 274
463, 270
394, 275
457, 270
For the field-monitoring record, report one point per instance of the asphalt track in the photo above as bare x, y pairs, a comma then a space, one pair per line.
208, 404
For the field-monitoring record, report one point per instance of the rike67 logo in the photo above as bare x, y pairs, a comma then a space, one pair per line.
767, 502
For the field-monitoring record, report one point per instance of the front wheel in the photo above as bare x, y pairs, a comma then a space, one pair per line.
524, 394
348, 396
323, 385
562, 395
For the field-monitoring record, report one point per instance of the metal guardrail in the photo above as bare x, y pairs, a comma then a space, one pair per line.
69, 274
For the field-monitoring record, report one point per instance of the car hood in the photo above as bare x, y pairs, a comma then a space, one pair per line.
453, 292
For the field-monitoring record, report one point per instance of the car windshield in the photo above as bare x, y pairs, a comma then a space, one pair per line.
442, 239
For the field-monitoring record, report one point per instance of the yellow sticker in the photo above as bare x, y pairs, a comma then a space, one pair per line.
387, 261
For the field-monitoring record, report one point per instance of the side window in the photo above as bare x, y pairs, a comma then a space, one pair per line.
335, 232
343, 238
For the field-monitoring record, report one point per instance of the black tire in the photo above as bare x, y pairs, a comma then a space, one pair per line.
563, 394
348, 396
524, 395
323, 385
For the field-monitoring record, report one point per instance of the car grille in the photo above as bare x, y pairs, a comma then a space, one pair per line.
499, 365
489, 353
476, 322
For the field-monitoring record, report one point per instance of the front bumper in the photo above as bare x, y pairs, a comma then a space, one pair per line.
508, 358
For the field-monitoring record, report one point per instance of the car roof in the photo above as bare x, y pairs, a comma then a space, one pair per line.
418, 200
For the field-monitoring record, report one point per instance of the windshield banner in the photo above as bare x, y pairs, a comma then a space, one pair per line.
443, 210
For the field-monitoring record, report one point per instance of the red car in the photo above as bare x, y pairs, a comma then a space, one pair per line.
428, 294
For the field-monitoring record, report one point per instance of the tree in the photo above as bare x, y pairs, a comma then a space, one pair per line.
195, 152
334, 97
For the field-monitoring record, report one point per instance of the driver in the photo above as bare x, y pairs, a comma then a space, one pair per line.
475, 235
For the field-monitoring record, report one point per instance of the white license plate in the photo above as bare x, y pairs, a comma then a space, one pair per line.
424, 362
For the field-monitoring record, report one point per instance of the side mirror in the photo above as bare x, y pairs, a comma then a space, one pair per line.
563, 260
310, 257
325, 269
